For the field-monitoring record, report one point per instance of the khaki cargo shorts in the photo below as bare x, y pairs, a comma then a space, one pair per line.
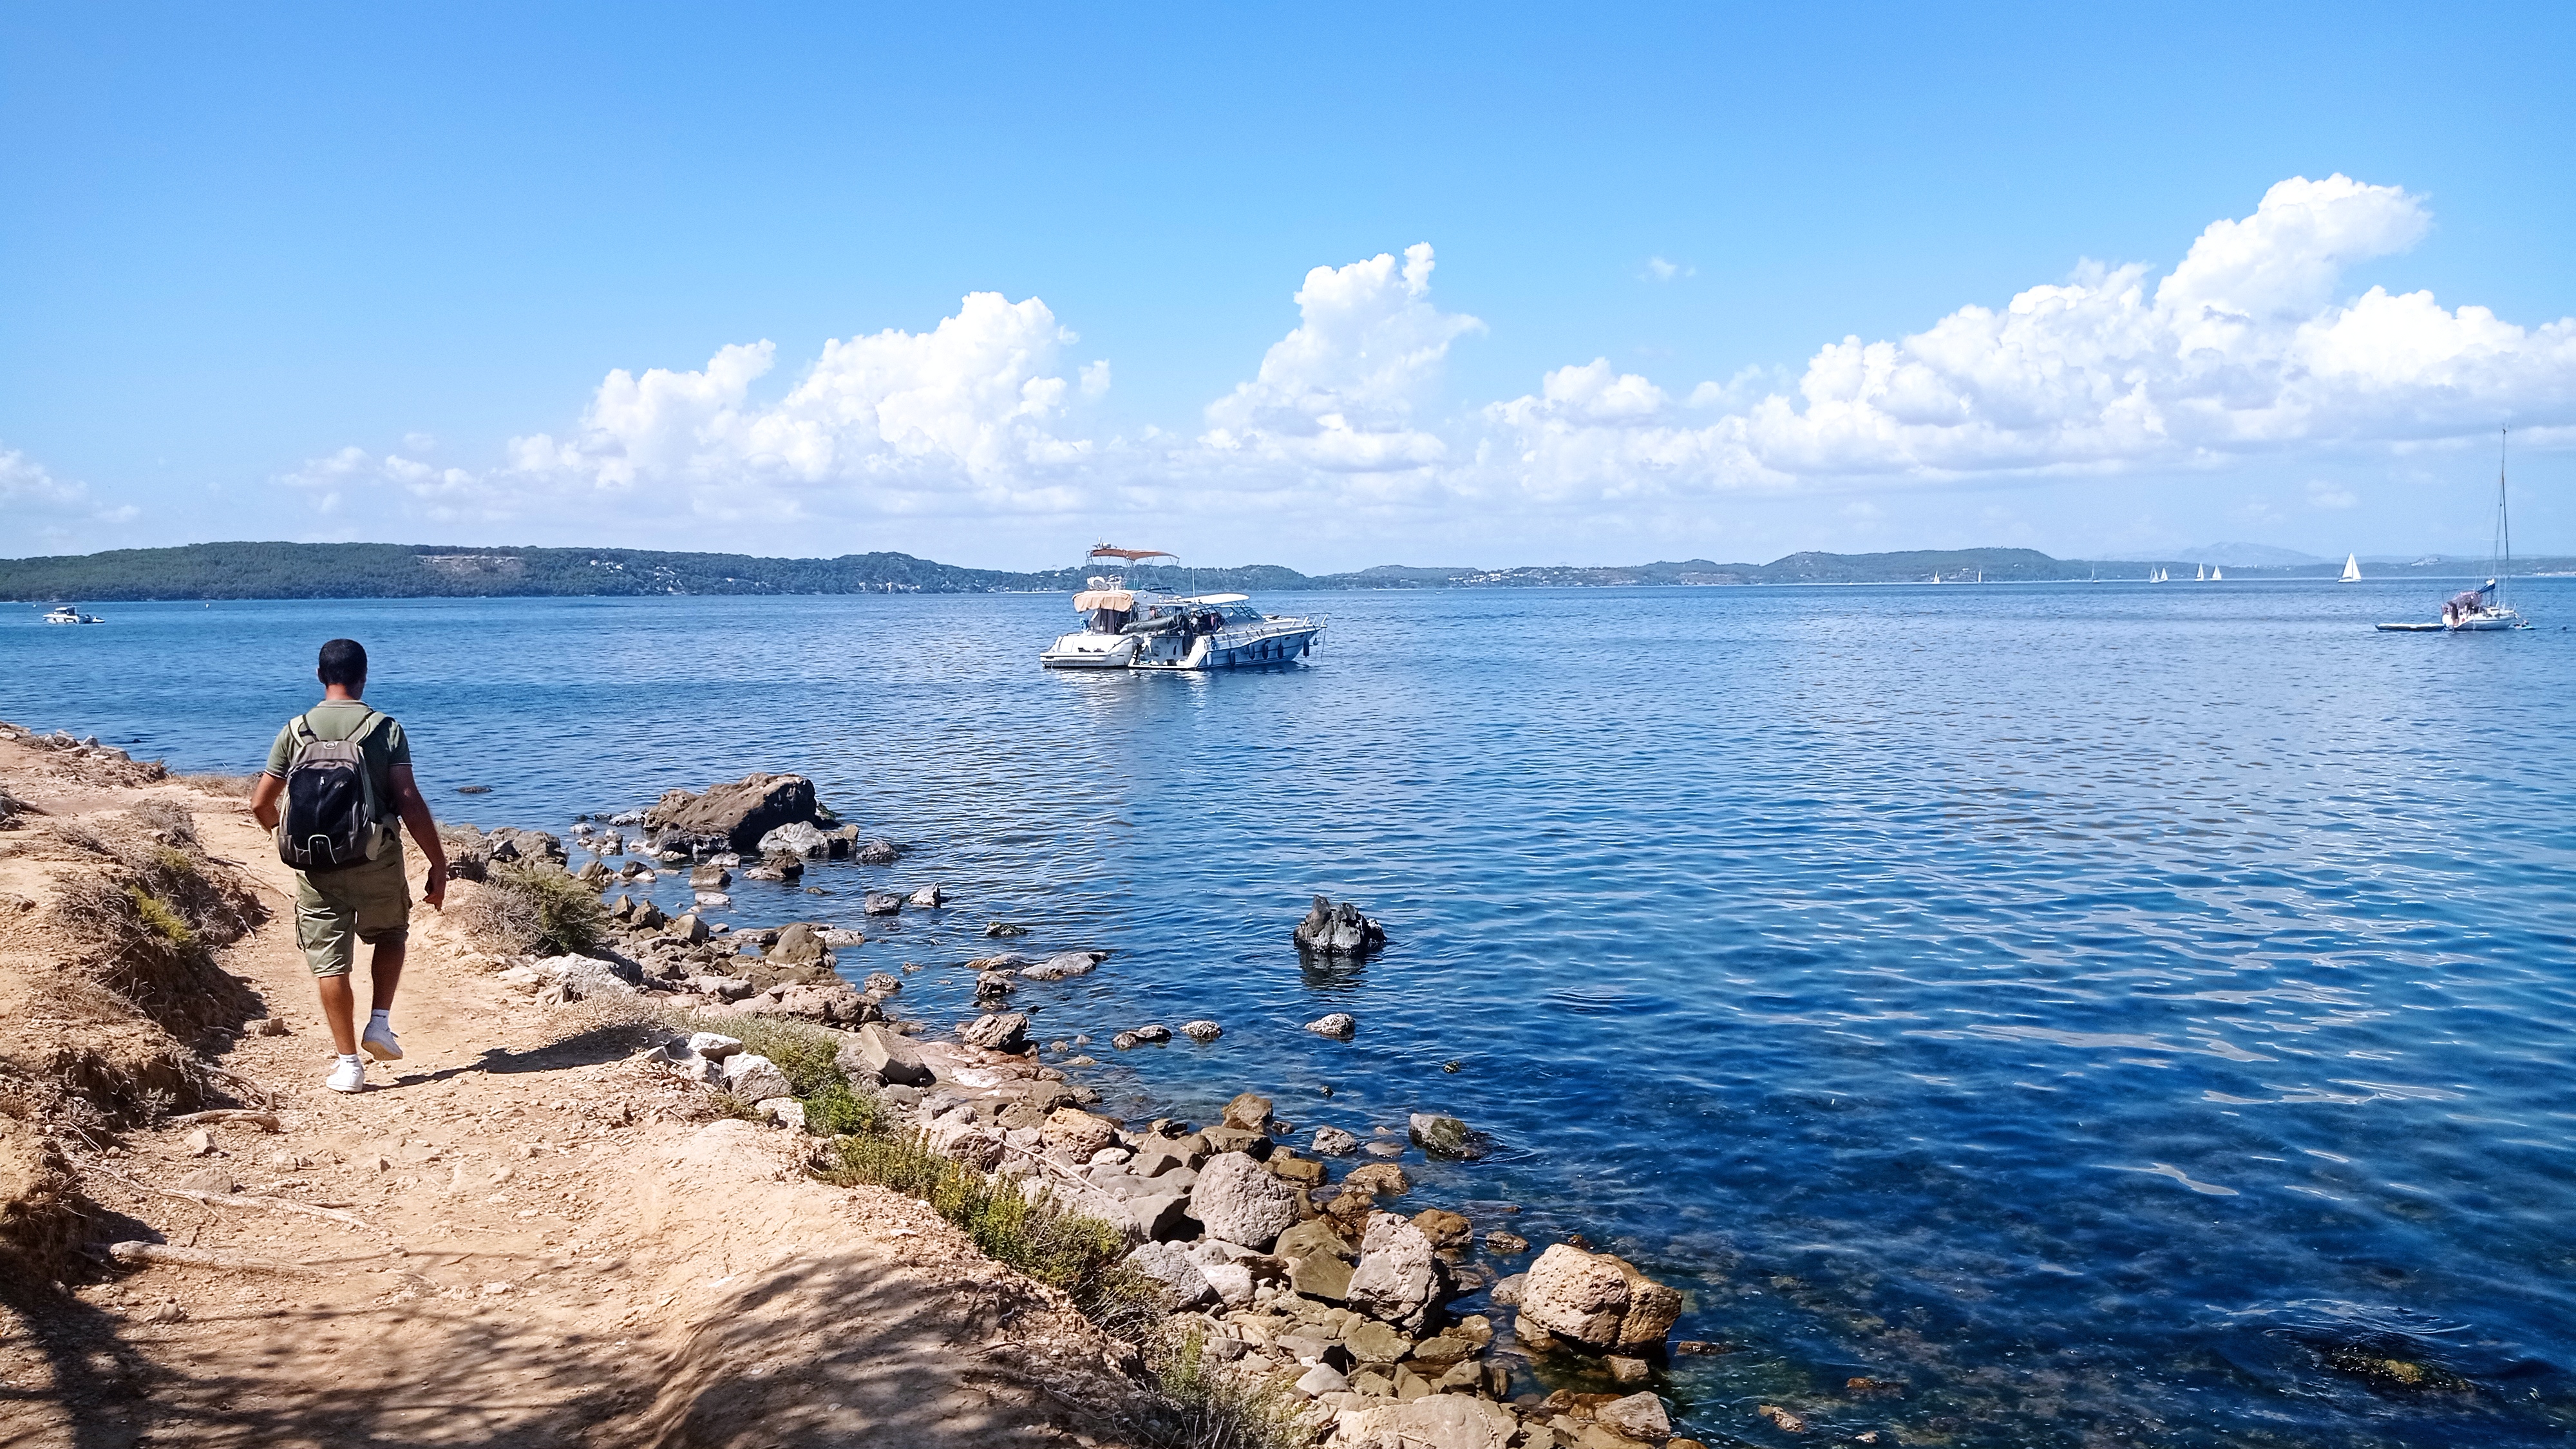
336, 909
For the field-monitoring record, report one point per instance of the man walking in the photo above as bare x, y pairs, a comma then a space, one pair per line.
366, 899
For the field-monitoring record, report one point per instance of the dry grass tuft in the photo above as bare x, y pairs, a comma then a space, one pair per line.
231, 787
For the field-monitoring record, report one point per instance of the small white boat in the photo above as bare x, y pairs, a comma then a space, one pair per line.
2481, 610
66, 614
2216, 573
1139, 628
2351, 568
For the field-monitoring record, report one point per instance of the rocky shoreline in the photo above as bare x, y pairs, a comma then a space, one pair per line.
1278, 1254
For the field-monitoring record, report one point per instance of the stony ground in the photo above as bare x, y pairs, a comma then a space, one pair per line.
522, 1234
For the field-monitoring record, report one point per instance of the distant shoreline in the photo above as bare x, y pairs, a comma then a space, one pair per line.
244, 572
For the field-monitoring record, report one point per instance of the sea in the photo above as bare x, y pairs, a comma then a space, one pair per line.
2077, 1014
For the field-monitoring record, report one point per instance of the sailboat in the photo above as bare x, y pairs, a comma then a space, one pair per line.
2482, 610
2351, 568
2216, 573
2200, 573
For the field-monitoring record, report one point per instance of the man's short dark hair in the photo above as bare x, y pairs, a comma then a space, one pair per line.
344, 662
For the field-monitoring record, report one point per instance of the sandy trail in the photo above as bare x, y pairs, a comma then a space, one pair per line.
559, 1246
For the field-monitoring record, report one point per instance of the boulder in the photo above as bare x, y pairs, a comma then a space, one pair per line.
1201, 1030
1155, 1032
1444, 1228
1341, 930
1434, 1421
1334, 1142
1063, 964
1238, 1200
1505, 1244
1639, 1416
927, 898
1180, 1282
1339, 1025
881, 985
797, 945
688, 927
1378, 1179
1006, 1031
1232, 1282
1161, 1216
882, 903
733, 816
886, 1054
1396, 1278
995, 984
874, 851
1076, 1133
647, 917
593, 875
710, 877
1248, 1112
711, 1045
1595, 1301
779, 865
797, 837
1447, 1137
754, 1077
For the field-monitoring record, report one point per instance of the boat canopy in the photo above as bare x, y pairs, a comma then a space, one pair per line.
1090, 599
1214, 599
1132, 555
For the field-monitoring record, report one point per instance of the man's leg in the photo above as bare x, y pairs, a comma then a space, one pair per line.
384, 973
339, 1007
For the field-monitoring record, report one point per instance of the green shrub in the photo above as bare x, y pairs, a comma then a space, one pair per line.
164, 922
807, 1054
568, 919
1060, 1249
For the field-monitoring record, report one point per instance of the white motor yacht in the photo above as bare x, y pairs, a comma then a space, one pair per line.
1139, 628
66, 614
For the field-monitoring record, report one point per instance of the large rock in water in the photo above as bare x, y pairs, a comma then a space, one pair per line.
734, 816
1237, 1199
1004, 1031
1396, 1279
1595, 1301
797, 944
797, 837
1338, 930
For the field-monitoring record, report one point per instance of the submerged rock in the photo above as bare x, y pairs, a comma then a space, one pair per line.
875, 851
1334, 1142
882, 903
1201, 1030
928, 897
1340, 1025
1447, 1137
1064, 964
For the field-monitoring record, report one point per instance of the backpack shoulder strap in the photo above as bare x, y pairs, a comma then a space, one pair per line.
303, 730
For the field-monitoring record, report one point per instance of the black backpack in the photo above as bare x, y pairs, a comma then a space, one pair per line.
332, 818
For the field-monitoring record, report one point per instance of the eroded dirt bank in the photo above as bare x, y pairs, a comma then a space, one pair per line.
524, 1234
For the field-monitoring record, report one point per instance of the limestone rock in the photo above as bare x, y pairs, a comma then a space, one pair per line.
994, 985
1437, 1421
1447, 1137
881, 903
1238, 1200
798, 944
1338, 930
1505, 1244
1396, 1278
1005, 1031
1168, 1266
1596, 1301
1077, 1133
710, 877
1639, 1416
755, 1078
1248, 1112
797, 837
689, 928
1334, 1142
886, 1054
927, 898
1201, 1030
1064, 964
1379, 1179
1232, 1282
1444, 1228
713, 1046
874, 851
733, 816
1340, 1025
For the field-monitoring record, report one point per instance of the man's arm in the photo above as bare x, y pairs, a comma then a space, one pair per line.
263, 801
415, 818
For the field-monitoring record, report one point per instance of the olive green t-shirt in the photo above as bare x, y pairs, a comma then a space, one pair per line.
336, 719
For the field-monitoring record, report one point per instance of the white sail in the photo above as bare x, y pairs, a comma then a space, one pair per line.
2216, 573
2200, 573
2352, 568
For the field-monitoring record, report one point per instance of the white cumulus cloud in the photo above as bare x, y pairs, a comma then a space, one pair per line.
2241, 349
55, 511
1344, 391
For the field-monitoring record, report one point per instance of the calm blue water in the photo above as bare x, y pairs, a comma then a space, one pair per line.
2082, 1004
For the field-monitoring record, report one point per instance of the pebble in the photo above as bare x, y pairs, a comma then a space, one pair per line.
200, 1142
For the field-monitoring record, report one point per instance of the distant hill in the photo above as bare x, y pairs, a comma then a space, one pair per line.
405, 571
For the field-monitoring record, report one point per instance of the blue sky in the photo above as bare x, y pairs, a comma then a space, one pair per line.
312, 273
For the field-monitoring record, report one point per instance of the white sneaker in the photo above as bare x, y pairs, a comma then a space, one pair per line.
348, 1075
381, 1043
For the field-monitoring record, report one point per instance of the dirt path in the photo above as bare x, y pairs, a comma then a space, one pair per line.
521, 1234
